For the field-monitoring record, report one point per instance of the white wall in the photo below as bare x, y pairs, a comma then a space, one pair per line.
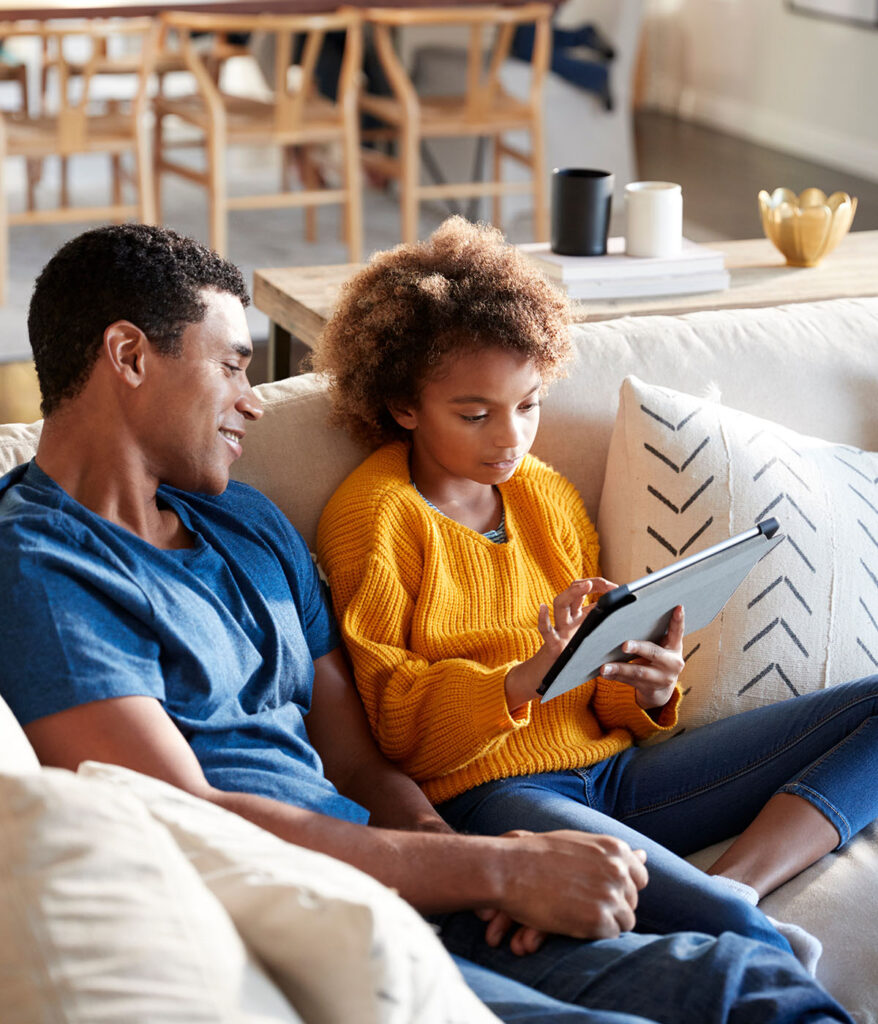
753, 68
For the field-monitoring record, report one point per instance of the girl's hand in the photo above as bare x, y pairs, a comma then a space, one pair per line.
655, 672
569, 611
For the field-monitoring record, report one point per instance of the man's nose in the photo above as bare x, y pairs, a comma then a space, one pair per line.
249, 405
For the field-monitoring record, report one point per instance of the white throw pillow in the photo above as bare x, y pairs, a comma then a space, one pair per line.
16, 753
684, 473
341, 946
18, 443
102, 918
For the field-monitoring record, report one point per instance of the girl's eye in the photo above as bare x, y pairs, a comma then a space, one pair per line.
528, 406
474, 419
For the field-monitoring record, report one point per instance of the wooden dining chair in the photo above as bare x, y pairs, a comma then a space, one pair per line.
482, 109
14, 71
167, 60
293, 116
76, 122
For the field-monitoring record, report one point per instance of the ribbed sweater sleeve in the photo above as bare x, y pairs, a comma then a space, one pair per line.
434, 615
431, 717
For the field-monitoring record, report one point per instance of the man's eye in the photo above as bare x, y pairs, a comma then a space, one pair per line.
232, 368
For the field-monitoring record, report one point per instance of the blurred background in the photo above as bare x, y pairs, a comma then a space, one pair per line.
725, 97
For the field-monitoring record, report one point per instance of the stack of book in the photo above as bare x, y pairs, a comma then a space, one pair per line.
695, 268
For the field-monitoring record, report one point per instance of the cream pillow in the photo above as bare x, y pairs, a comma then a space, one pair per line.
103, 919
16, 753
684, 473
18, 443
340, 945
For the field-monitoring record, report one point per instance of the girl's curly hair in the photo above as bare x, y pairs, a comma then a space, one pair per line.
462, 289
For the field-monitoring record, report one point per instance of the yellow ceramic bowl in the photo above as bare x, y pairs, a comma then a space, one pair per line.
807, 227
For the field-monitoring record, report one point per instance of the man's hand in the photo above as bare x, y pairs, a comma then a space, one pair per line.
655, 672
574, 883
568, 611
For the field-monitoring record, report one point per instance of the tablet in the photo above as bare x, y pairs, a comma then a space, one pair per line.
641, 610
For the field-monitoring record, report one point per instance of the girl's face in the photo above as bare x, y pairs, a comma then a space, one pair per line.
476, 418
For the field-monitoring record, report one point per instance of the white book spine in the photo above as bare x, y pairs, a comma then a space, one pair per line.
643, 287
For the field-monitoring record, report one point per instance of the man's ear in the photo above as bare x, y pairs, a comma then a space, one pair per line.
405, 415
126, 346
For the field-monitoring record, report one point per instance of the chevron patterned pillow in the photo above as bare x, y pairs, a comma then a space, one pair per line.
684, 473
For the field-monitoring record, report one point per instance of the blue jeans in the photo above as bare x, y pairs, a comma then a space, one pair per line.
698, 788
635, 979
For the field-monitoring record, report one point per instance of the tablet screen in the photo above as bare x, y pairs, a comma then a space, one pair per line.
641, 610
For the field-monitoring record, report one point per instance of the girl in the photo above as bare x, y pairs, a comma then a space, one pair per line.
442, 550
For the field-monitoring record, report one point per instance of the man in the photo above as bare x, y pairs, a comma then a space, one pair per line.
159, 617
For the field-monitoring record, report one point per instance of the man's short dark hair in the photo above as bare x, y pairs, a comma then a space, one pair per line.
150, 276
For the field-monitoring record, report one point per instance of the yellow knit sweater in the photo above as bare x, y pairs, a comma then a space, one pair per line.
434, 615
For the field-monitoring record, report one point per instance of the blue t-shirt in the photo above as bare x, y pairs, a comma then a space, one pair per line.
223, 634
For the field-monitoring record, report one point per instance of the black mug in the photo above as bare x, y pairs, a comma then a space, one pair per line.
581, 201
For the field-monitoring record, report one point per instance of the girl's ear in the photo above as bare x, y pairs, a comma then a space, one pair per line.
404, 415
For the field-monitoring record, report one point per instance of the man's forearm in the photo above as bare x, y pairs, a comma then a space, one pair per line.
433, 872
574, 883
395, 801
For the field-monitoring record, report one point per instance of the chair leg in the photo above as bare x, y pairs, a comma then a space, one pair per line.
353, 180
34, 171
65, 182
310, 183
158, 155
410, 175
4, 231
146, 187
286, 164
496, 175
538, 165
215, 151
116, 174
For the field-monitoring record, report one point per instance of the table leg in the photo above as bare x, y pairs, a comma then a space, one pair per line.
279, 348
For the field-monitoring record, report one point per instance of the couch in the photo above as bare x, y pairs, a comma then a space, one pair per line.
677, 430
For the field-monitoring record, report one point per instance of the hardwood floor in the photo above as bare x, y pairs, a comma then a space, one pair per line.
721, 176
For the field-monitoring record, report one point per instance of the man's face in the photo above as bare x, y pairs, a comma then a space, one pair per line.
199, 402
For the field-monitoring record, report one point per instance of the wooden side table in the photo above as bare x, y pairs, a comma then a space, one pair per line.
299, 300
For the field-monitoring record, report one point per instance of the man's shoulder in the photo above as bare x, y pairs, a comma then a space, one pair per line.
30, 511
12, 478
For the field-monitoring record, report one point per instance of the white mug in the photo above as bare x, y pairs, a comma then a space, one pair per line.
653, 218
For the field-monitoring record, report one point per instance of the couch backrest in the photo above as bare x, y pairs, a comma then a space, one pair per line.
810, 366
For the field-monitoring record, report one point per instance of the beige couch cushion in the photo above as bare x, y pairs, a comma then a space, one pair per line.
293, 455
18, 442
340, 945
837, 900
16, 754
684, 473
103, 919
